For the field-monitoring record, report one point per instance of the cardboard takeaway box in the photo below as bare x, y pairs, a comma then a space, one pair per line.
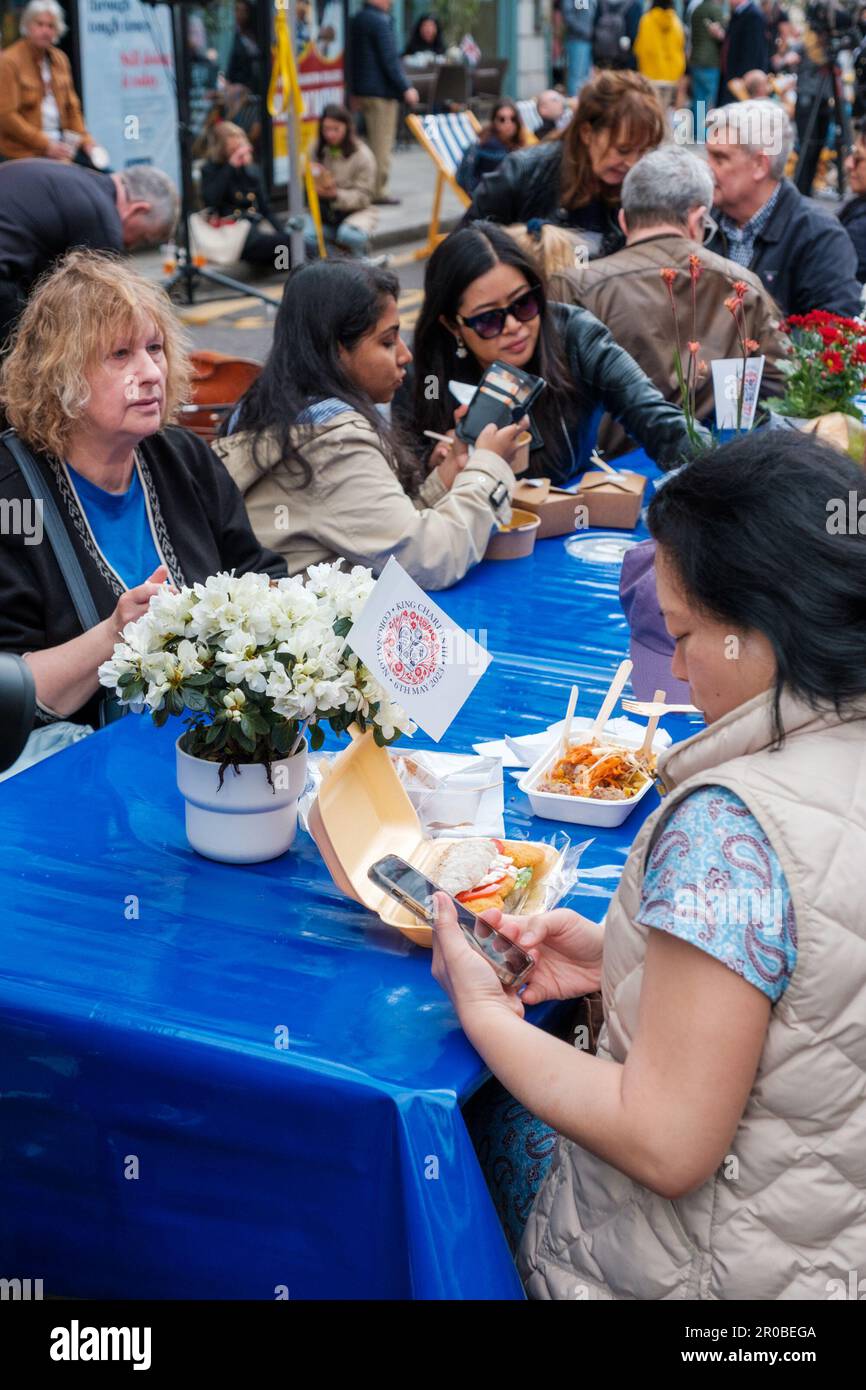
610, 501
362, 813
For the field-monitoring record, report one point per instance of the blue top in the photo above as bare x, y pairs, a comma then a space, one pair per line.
713, 879
120, 526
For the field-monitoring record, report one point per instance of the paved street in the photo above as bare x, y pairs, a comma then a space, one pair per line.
224, 322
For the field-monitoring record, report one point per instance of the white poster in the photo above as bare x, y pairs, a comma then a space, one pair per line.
727, 384
428, 663
127, 82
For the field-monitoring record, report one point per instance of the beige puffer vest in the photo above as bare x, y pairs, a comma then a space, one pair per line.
794, 1216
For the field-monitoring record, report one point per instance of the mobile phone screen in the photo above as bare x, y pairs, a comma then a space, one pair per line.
410, 887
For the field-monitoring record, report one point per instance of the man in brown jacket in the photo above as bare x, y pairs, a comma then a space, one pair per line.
665, 198
38, 101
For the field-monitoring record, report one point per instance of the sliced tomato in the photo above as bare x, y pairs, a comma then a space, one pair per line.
500, 846
487, 891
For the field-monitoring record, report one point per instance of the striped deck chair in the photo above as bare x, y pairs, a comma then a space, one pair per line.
530, 117
446, 139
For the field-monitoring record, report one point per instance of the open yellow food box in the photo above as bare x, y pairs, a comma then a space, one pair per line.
362, 813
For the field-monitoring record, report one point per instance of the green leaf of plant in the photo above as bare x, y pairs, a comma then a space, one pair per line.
317, 737
194, 699
243, 740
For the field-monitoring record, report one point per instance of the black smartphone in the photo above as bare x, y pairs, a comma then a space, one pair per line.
504, 395
410, 887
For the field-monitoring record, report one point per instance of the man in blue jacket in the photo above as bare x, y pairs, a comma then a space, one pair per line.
801, 253
378, 81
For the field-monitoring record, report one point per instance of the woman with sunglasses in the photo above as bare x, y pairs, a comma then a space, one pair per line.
485, 301
320, 470
503, 134
574, 176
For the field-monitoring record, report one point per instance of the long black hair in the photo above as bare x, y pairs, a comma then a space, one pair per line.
326, 305
463, 257
759, 535
418, 45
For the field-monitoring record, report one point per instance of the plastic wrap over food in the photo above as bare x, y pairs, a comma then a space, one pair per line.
454, 794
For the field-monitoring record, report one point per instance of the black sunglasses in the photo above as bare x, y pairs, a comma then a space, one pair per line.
491, 323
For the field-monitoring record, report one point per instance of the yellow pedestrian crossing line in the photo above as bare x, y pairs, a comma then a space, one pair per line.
199, 315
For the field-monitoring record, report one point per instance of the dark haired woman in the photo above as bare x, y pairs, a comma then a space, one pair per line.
320, 470
574, 178
426, 37
503, 134
235, 198
485, 301
344, 169
713, 1148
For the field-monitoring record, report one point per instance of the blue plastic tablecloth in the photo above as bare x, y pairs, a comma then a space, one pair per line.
156, 1139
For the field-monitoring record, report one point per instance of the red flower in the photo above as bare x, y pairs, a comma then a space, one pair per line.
695, 266
741, 289
860, 352
829, 336
702, 367
668, 276
732, 304
693, 348
751, 345
834, 362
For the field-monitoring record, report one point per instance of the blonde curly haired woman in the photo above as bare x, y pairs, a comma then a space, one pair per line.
97, 370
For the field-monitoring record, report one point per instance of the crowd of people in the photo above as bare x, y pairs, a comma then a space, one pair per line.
739, 1040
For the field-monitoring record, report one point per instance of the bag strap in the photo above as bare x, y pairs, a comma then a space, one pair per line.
64, 554
58, 536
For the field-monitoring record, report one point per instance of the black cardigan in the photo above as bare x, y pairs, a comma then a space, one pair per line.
200, 526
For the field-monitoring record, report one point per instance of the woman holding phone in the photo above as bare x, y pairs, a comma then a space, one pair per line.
323, 474
713, 1148
485, 300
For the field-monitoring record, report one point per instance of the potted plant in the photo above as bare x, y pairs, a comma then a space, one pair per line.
252, 666
826, 372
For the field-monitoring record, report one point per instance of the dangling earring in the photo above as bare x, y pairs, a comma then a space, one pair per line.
462, 350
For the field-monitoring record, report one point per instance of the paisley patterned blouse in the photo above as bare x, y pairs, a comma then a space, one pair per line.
712, 879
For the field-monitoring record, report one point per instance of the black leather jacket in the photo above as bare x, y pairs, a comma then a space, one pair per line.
526, 185
606, 380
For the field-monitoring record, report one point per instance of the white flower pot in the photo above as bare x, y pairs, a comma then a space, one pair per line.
246, 820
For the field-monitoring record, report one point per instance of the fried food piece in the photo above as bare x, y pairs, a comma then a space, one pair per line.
525, 856
480, 905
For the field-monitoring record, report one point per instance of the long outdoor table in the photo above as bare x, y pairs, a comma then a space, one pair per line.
223, 1081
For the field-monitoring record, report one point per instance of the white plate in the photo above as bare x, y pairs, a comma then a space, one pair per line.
599, 547
578, 810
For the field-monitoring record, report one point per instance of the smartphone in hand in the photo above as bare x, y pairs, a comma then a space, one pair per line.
504, 395
411, 888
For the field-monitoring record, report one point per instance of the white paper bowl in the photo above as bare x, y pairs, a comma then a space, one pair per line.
578, 810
